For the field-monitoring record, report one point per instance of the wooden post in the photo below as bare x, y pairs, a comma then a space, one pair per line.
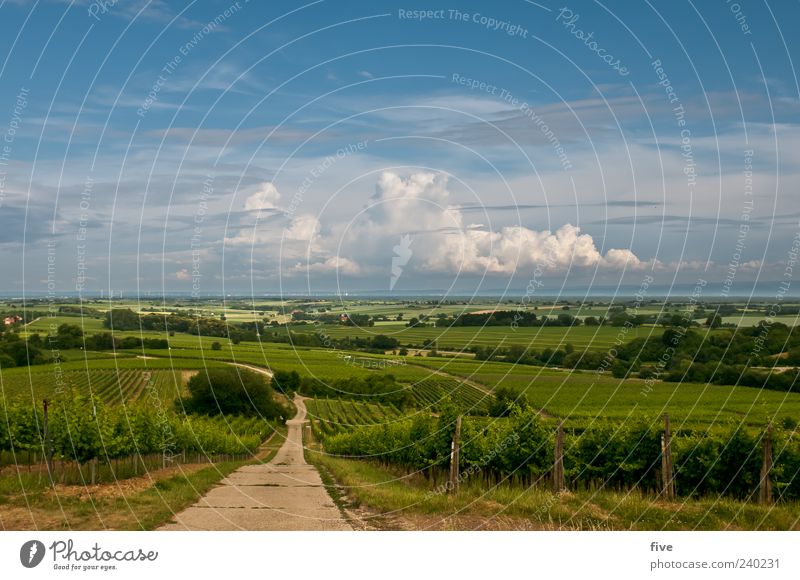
667, 475
48, 443
455, 451
558, 462
765, 484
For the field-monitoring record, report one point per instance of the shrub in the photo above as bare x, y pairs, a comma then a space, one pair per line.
232, 391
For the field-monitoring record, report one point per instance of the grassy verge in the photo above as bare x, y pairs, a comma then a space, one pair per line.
144, 503
410, 504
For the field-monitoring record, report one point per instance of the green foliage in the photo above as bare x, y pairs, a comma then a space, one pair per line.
15, 352
614, 455
121, 319
84, 429
728, 464
504, 401
287, 382
232, 391
375, 388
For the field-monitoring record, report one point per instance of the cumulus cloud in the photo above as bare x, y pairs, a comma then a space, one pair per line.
183, 274
420, 205
265, 197
444, 241
303, 228
333, 264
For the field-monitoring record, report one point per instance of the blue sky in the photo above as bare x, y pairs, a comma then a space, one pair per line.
266, 147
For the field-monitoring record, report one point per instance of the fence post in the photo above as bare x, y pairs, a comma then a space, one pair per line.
48, 443
765, 484
455, 450
558, 463
667, 475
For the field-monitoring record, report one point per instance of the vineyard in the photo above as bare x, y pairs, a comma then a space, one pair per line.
111, 386
331, 416
606, 455
81, 431
433, 391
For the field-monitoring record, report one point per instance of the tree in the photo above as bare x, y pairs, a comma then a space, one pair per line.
504, 402
714, 321
231, 391
69, 336
216, 346
383, 342
121, 319
286, 382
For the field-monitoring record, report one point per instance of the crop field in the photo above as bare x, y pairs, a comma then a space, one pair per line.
577, 396
435, 390
111, 386
48, 324
325, 363
330, 416
754, 319
456, 338
584, 396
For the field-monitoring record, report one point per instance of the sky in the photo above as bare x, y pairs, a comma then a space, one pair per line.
353, 147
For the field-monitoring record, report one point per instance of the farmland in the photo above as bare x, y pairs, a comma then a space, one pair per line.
438, 372
112, 386
459, 338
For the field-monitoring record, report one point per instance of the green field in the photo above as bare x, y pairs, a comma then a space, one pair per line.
577, 396
113, 386
457, 338
329, 416
582, 396
48, 324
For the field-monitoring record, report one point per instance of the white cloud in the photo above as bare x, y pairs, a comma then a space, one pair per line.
303, 228
333, 264
265, 197
420, 206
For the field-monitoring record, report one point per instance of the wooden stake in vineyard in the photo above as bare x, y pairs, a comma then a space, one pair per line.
765, 484
667, 473
558, 463
48, 443
455, 452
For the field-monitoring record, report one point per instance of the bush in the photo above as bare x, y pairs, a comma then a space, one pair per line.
232, 391
615, 455
216, 346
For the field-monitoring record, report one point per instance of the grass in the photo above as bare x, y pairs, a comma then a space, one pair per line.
513, 507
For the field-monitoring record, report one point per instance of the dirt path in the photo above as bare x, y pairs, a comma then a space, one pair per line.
285, 494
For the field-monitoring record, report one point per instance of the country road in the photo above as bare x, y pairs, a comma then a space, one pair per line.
285, 494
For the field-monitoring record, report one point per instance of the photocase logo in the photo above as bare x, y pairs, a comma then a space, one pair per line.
402, 254
31, 553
